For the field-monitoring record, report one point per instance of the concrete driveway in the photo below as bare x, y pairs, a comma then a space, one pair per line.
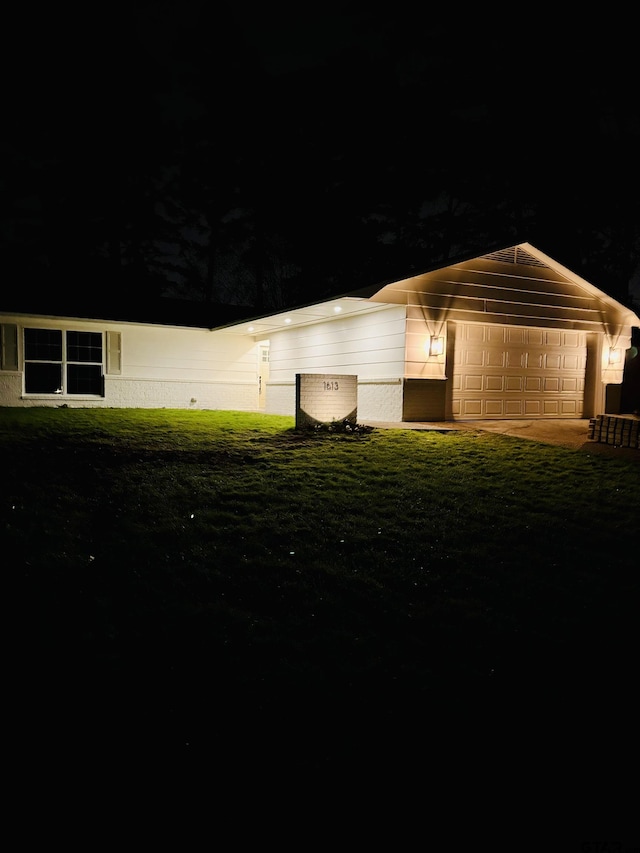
564, 432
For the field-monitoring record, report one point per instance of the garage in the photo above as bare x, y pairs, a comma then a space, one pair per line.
513, 371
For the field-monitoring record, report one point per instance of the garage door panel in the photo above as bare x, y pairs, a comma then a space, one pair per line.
512, 372
475, 333
515, 358
471, 409
571, 339
473, 382
495, 334
494, 409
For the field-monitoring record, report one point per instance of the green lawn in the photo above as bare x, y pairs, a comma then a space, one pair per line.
177, 572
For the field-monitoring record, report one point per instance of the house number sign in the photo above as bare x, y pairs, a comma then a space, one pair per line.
325, 397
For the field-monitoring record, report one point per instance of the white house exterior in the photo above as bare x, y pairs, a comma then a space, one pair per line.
98, 363
509, 334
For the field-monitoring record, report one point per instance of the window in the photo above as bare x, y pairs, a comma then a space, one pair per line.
63, 363
84, 363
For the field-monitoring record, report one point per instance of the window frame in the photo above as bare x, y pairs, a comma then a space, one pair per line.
65, 363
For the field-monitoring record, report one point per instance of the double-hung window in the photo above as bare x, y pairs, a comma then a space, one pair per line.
57, 362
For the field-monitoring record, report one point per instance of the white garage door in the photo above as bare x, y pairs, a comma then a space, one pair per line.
516, 372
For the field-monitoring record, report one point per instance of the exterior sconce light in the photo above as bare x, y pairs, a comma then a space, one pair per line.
614, 355
436, 345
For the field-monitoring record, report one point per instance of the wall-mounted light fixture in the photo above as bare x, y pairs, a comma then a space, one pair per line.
436, 345
614, 355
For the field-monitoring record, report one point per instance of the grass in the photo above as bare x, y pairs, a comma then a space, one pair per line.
193, 574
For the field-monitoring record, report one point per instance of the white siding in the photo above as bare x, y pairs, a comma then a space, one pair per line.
370, 346
489, 290
160, 352
161, 366
419, 364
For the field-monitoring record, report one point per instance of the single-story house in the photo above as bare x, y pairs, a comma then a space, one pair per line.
507, 334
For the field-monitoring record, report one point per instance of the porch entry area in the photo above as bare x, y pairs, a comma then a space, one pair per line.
263, 373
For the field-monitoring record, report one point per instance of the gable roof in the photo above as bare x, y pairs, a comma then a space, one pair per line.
515, 281
518, 284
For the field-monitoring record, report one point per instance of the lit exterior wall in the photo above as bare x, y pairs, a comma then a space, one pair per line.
371, 347
158, 367
420, 362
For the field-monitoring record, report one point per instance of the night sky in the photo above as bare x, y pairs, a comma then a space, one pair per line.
199, 147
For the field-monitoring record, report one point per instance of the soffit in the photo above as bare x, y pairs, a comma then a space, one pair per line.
262, 327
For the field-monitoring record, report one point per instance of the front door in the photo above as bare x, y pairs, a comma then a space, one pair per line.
263, 374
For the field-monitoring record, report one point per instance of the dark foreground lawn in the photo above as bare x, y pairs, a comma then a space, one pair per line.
214, 579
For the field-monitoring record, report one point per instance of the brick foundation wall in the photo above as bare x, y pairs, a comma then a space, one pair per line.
173, 394
281, 398
10, 389
151, 394
380, 400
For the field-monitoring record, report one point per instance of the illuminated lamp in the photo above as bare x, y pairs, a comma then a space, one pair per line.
436, 345
614, 355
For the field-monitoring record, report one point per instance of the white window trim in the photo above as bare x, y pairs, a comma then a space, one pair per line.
64, 363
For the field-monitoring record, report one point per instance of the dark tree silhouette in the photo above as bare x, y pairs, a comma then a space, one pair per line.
173, 149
